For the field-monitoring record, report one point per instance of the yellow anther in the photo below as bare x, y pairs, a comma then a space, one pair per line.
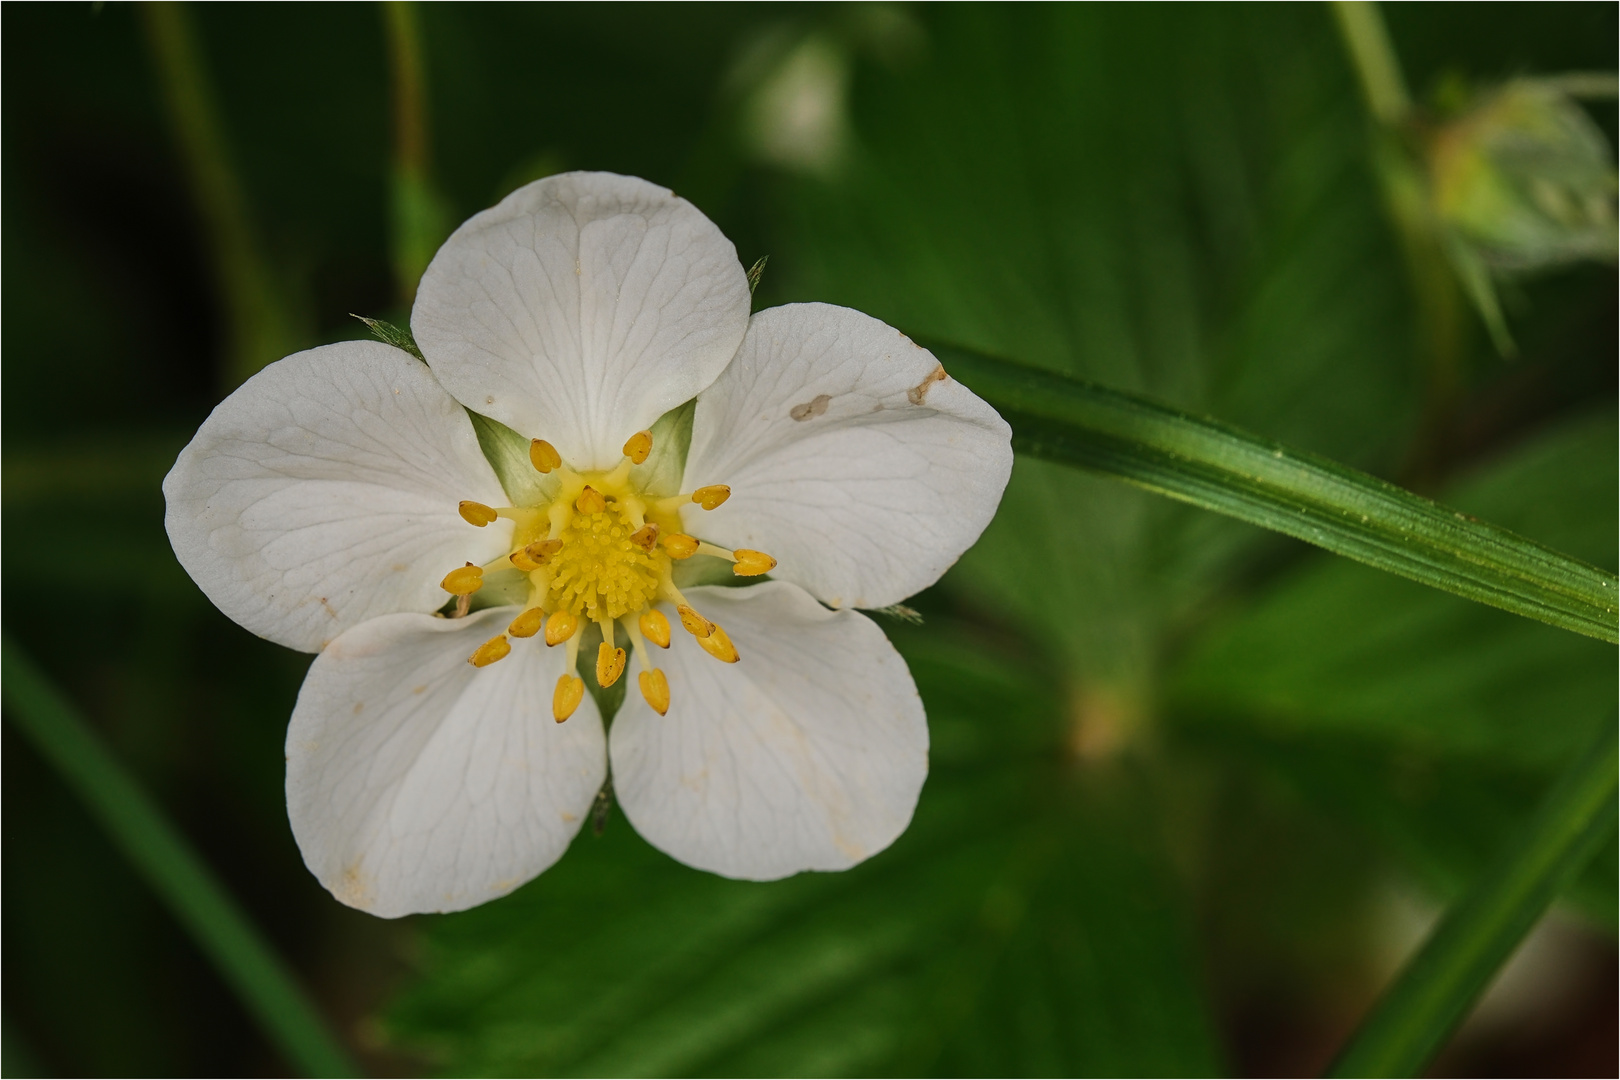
541, 551
527, 624
566, 698
590, 501
655, 688
679, 546
639, 446
561, 626
535, 555
645, 537
463, 581
543, 456
711, 496
752, 563
718, 645
609, 665
695, 624
476, 513
656, 627
490, 651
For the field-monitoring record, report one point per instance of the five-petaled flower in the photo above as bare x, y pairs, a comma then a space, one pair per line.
445, 534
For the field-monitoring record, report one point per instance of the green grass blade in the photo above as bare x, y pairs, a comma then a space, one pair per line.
178, 875
1222, 468
1435, 990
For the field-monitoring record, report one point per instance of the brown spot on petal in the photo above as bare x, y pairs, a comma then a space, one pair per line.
812, 408
918, 393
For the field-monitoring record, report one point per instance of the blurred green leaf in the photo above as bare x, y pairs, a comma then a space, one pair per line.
1218, 467
1334, 647
1440, 984
1022, 924
244, 960
1173, 202
1432, 721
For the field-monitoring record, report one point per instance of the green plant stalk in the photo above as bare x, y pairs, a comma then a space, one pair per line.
420, 220
1436, 989
259, 327
1227, 470
1373, 55
175, 872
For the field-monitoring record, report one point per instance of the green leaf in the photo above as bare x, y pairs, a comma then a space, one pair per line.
1335, 648
1430, 722
1168, 201
1438, 986
1024, 921
1219, 467
196, 898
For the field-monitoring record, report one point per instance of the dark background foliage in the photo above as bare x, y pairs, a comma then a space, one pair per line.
1194, 788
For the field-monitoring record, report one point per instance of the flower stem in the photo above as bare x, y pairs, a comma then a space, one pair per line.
175, 872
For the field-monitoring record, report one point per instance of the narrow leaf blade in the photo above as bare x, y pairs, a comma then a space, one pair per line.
1437, 987
1227, 470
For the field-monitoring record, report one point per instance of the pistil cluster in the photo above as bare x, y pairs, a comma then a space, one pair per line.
600, 552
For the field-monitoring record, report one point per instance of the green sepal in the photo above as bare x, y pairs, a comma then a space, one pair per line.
389, 334
508, 454
709, 570
609, 699
661, 473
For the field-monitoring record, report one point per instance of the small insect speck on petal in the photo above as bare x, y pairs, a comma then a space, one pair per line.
812, 408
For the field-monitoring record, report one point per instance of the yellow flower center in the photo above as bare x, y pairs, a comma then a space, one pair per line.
599, 573
601, 551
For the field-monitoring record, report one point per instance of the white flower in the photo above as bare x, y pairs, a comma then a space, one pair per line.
328, 503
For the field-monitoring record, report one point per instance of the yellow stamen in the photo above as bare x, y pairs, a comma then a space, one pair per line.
718, 645
711, 496
541, 551
645, 537
638, 447
609, 665
656, 627
476, 513
695, 624
561, 626
520, 559
527, 624
566, 698
463, 581
543, 456
679, 546
655, 688
590, 501
490, 651
752, 563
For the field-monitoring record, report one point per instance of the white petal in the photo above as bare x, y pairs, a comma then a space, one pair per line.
806, 754
417, 782
581, 309
323, 493
851, 457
